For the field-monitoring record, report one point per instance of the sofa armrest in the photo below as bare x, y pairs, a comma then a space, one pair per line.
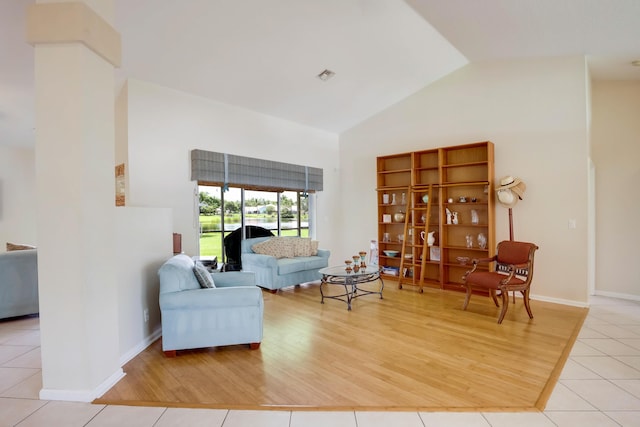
324, 253
240, 296
234, 278
259, 260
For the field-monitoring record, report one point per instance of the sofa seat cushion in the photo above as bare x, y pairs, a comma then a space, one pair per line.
293, 265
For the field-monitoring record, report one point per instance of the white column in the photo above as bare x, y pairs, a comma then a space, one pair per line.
75, 54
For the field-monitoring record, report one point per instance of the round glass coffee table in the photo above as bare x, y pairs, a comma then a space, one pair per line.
350, 280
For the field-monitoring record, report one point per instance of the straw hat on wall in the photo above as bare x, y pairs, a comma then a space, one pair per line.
510, 191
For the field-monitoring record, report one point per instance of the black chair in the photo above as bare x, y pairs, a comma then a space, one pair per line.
232, 244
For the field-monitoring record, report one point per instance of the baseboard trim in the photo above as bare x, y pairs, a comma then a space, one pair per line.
560, 301
91, 395
618, 295
83, 395
140, 347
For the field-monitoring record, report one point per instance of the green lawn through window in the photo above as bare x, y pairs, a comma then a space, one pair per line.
211, 243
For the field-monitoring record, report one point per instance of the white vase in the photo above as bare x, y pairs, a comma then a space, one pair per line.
474, 217
482, 241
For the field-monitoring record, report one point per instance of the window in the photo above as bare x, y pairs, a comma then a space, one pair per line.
284, 213
262, 193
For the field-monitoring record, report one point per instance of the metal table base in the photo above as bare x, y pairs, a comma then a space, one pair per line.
350, 281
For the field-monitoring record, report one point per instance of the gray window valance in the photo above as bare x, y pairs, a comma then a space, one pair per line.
223, 169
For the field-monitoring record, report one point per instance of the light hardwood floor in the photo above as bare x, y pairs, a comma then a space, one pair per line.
408, 351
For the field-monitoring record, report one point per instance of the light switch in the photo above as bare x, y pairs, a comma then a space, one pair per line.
572, 224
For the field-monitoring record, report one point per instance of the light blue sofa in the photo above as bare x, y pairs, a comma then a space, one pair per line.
276, 273
193, 317
18, 283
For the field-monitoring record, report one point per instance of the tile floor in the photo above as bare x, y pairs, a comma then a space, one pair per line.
599, 386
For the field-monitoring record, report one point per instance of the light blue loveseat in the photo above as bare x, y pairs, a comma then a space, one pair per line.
275, 273
193, 317
18, 283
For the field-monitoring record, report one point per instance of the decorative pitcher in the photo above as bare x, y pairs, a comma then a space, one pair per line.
431, 239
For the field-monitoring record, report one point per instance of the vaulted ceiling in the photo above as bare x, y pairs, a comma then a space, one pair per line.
265, 55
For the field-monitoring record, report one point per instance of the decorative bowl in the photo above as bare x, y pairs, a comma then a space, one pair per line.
391, 253
463, 259
408, 256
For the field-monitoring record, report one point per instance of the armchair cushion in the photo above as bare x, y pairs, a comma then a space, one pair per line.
512, 252
487, 280
235, 278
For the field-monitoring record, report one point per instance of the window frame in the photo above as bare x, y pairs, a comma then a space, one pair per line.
299, 229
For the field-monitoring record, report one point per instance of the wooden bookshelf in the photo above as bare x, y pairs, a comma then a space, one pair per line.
462, 179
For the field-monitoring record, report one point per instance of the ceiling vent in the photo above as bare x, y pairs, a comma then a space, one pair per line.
326, 75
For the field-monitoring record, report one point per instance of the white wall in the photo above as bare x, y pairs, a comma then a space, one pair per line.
616, 154
17, 196
143, 241
165, 125
535, 113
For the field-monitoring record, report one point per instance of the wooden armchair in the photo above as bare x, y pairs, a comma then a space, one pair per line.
513, 272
